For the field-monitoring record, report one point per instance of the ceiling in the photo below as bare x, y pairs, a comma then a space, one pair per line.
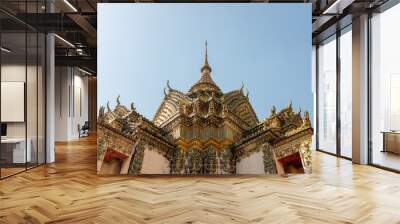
75, 21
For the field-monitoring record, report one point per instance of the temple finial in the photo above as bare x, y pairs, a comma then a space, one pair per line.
206, 65
206, 60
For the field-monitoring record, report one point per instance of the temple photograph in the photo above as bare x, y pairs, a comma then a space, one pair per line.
162, 115
203, 131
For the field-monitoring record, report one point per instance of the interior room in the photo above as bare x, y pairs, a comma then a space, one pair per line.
22, 104
385, 107
52, 114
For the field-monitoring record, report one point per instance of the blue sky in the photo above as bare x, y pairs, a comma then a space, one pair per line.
267, 46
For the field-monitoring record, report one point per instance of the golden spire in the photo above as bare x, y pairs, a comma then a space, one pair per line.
206, 60
205, 82
206, 65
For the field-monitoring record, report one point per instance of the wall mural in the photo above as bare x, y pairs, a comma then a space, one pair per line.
203, 131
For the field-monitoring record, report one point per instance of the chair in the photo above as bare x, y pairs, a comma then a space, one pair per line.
84, 130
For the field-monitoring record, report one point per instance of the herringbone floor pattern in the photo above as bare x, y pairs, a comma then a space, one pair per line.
69, 191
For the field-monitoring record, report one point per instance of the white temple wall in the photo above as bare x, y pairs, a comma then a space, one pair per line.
253, 164
154, 163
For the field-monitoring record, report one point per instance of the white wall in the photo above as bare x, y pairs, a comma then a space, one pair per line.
71, 102
34, 125
12, 73
254, 164
61, 103
80, 110
154, 163
13, 101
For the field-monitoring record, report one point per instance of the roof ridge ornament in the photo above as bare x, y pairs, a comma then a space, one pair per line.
118, 101
273, 111
108, 106
168, 85
165, 91
101, 111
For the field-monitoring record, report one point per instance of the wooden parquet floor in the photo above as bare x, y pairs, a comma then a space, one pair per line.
69, 191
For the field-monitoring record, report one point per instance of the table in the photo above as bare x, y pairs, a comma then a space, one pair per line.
13, 150
391, 141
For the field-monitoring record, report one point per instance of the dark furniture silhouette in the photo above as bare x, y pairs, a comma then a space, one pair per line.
84, 130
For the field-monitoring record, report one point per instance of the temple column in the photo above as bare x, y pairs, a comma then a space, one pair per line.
306, 156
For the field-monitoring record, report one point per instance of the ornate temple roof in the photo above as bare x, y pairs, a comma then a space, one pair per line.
239, 105
281, 125
126, 122
169, 107
236, 102
206, 83
189, 129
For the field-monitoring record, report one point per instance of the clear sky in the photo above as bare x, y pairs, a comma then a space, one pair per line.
267, 46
